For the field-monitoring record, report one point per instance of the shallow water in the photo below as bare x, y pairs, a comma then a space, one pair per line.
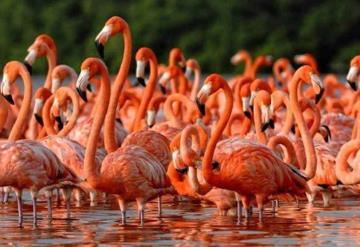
185, 223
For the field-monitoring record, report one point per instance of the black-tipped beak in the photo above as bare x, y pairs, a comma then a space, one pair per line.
251, 107
162, 89
353, 85
9, 99
39, 119
247, 114
293, 129
100, 49
119, 121
201, 107
272, 123
265, 126
141, 81
327, 138
183, 68
89, 88
28, 67
82, 94
59, 122
319, 95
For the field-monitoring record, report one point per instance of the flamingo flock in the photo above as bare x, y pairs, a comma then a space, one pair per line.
239, 142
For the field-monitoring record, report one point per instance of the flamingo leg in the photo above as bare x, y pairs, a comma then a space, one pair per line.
57, 196
159, 206
246, 202
238, 207
122, 206
141, 210
19, 204
67, 196
326, 195
311, 198
77, 194
92, 195
34, 201
260, 204
6, 194
48, 195
273, 206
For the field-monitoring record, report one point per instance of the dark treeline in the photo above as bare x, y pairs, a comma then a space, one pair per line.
210, 31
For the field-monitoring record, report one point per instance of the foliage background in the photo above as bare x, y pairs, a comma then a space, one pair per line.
210, 31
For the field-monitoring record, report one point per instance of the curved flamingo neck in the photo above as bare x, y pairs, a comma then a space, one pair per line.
299, 118
196, 84
248, 64
260, 135
51, 58
25, 108
346, 174
48, 123
75, 114
289, 153
4, 111
189, 136
149, 91
208, 173
101, 109
109, 134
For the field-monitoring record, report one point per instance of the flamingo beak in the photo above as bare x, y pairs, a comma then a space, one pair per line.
100, 49
265, 126
328, 133
319, 95
5, 89
351, 77
140, 72
59, 122
293, 129
82, 83
101, 39
30, 59
89, 88
201, 107
39, 119
235, 59
37, 110
28, 67
202, 96
247, 114
246, 106
163, 80
188, 72
318, 87
150, 118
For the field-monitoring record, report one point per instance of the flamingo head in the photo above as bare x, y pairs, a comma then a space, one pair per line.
89, 68
143, 55
307, 74
211, 85
112, 26
325, 132
263, 99
239, 56
171, 73
352, 76
59, 74
41, 95
11, 72
177, 58
191, 65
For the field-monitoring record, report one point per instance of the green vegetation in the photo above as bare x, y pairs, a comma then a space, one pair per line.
210, 31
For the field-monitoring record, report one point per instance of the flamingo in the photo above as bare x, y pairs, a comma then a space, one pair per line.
236, 171
27, 164
193, 66
69, 152
130, 172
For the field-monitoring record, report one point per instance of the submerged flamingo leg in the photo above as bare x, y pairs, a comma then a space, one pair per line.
326, 195
67, 196
238, 207
34, 200
48, 195
159, 206
246, 203
260, 204
19, 204
6, 194
122, 206
140, 204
